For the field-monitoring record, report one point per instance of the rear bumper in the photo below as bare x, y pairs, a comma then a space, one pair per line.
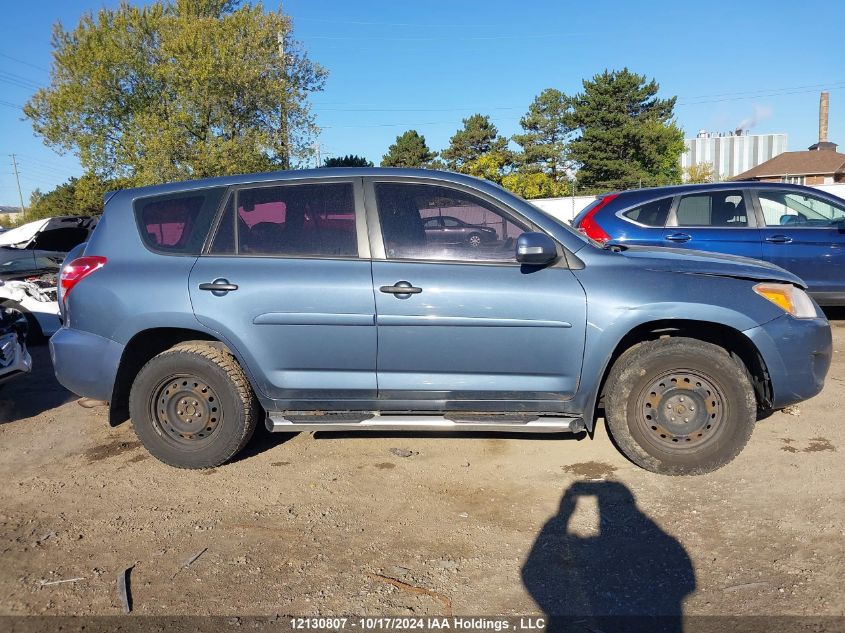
85, 363
797, 353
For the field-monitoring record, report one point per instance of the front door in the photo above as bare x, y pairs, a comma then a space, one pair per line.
462, 326
806, 235
286, 283
715, 220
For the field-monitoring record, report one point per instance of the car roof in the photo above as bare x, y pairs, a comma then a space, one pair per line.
302, 174
672, 190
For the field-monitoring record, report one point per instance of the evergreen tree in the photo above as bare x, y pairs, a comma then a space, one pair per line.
350, 160
546, 136
628, 136
409, 150
477, 138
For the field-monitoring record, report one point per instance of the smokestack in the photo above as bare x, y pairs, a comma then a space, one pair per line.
824, 109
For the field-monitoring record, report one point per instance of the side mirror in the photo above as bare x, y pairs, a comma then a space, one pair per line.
535, 249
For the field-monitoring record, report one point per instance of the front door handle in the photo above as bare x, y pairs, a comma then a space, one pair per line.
401, 289
219, 287
779, 239
679, 237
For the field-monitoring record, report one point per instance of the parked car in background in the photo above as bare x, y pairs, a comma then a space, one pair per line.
59, 234
452, 230
14, 357
798, 228
335, 310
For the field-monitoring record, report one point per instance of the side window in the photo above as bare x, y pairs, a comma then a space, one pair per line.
477, 231
719, 208
782, 208
224, 239
652, 213
296, 220
177, 223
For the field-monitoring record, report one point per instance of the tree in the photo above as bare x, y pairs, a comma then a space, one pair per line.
477, 137
177, 89
547, 133
699, 173
77, 196
350, 160
628, 136
535, 185
409, 150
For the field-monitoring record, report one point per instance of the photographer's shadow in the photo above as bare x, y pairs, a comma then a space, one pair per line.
630, 567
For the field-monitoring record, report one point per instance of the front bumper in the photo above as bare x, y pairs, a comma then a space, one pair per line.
85, 363
797, 353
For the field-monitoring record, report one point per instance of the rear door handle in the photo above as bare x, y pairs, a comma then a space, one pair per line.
679, 237
779, 239
401, 288
219, 287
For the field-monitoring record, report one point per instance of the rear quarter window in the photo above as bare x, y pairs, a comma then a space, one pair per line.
652, 213
177, 224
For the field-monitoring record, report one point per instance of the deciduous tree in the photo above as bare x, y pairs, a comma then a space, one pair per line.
177, 89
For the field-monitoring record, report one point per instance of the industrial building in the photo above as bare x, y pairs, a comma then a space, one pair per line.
731, 153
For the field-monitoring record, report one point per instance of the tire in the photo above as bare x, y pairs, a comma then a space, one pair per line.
679, 406
474, 240
192, 406
34, 334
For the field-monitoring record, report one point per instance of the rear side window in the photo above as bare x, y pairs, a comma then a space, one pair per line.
652, 213
291, 221
719, 208
177, 223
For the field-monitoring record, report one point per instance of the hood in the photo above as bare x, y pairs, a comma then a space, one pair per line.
680, 260
22, 235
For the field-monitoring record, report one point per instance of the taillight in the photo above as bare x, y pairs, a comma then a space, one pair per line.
78, 270
588, 225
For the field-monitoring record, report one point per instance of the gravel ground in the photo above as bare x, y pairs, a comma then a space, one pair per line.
468, 524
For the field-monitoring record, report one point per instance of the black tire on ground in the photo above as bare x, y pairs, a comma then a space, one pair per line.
34, 334
679, 406
192, 406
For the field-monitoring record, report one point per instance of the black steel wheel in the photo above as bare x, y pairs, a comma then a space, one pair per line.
192, 406
679, 406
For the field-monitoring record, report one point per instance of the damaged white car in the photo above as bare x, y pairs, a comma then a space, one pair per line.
37, 304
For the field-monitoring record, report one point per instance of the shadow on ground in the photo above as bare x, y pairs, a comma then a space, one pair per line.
617, 571
32, 394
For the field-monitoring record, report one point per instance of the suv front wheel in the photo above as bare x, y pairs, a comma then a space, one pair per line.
679, 406
192, 406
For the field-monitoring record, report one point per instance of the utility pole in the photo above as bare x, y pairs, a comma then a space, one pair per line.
18, 179
317, 154
280, 38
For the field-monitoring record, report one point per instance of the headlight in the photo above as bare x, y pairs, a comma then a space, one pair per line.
789, 298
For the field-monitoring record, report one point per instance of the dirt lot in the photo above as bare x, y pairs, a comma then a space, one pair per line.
334, 523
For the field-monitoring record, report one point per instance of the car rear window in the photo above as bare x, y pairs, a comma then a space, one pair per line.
652, 213
177, 223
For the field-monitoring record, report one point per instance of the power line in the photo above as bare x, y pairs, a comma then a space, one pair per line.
25, 63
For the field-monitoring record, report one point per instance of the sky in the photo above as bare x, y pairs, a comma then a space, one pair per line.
428, 64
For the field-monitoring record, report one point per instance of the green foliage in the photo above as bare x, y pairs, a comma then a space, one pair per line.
176, 89
628, 136
547, 132
699, 173
350, 160
477, 138
535, 185
77, 196
409, 150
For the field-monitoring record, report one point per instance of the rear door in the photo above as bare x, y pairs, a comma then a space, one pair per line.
287, 281
714, 220
805, 234
475, 330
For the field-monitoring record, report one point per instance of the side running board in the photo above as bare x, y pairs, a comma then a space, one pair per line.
297, 421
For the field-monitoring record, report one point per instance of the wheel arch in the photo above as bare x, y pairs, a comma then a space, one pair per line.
732, 340
142, 347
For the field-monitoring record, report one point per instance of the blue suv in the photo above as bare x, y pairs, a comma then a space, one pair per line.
317, 300
798, 228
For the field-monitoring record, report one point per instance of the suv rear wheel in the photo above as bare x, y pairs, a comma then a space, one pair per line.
679, 406
192, 406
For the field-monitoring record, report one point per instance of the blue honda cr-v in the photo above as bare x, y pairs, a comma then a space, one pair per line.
317, 300
798, 228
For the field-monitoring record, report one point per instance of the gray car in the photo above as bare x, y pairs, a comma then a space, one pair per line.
315, 300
